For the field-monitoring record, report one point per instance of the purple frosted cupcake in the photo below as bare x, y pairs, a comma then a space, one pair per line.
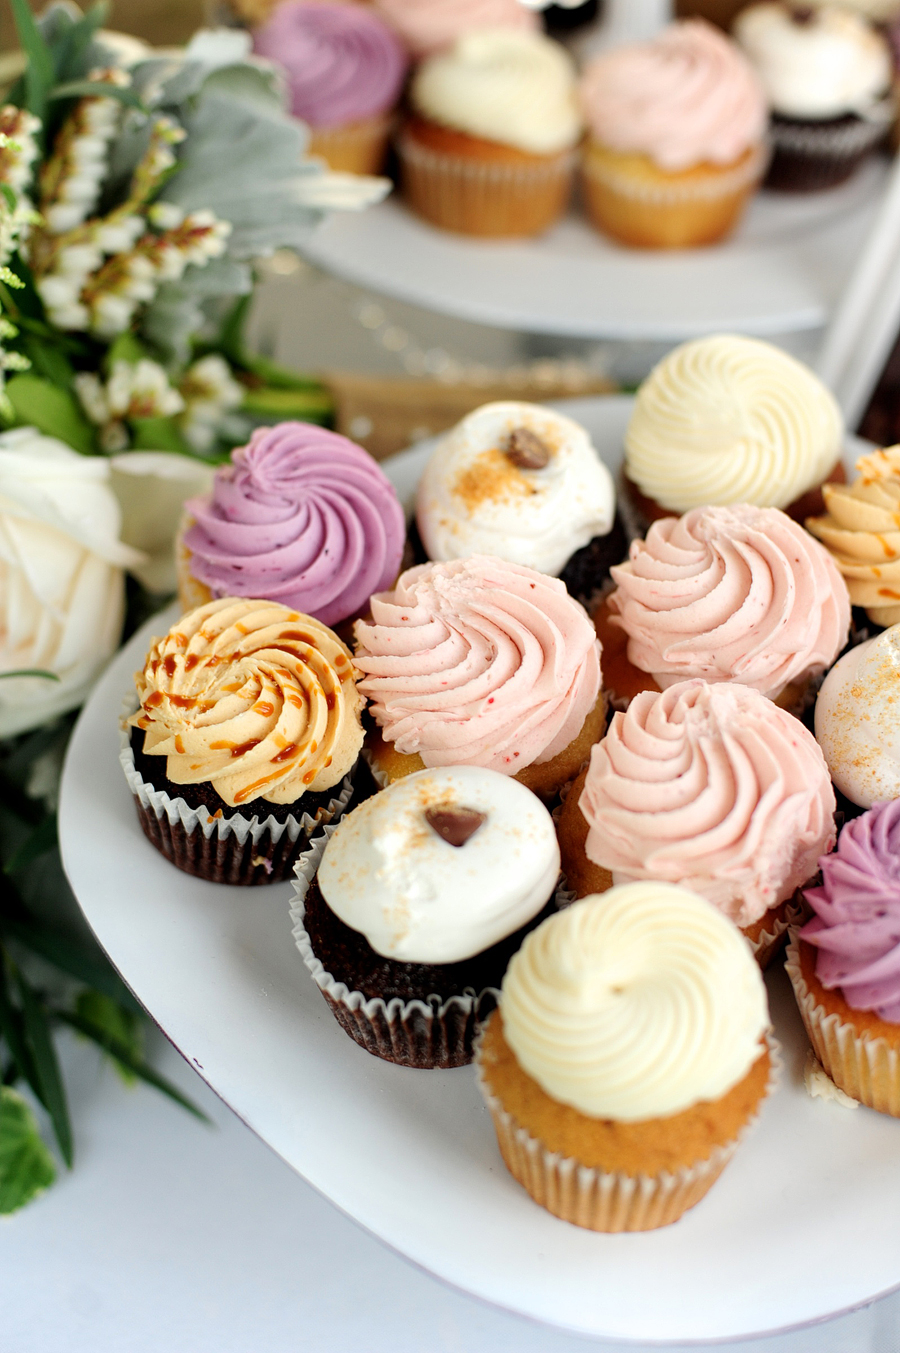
301, 516
345, 71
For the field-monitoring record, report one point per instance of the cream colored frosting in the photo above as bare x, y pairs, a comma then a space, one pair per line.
731, 420
731, 594
856, 720
714, 788
428, 25
478, 662
418, 899
862, 531
252, 697
828, 63
473, 499
635, 1004
687, 97
517, 88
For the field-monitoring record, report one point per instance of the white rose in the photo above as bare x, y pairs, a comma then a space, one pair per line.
151, 487
61, 580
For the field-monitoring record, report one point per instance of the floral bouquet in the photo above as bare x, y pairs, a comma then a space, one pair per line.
136, 191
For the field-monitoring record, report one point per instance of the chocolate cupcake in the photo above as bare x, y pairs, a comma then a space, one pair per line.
422, 895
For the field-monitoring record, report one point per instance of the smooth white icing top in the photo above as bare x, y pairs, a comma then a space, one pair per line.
504, 85
472, 499
417, 899
635, 1003
831, 63
731, 420
857, 723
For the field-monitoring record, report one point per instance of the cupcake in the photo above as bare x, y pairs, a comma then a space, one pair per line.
675, 145
523, 483
731, 420
478, 662
627, 1058
845, 964
727, 594
827, 76
422, 895
713, 788
489, 148
246, 731
428, 26
301, 516
856, 720
861, 528
345, 71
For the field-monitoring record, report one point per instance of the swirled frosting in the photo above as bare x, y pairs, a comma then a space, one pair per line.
478, 662
301, 516
712, 787
731, 420
343, 64
856, 720
856, 928
517, 88
253, 698
685, 98
731, 594
862, 531
428, 25
419, 898
635, 1003
475, 498
822, 64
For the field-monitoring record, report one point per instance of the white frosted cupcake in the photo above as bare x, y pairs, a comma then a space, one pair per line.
856, 720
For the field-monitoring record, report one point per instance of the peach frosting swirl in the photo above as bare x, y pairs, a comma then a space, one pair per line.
252, 697
731, 594
714, 788
478, 662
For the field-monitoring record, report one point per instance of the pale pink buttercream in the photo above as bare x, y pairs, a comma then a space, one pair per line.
712, 787
688, 97
478, 662
427, 26
736, 593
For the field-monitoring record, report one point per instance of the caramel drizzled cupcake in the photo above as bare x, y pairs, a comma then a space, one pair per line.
247, 728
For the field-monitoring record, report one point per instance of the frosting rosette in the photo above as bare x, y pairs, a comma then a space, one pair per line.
252, 698
712, 787
343, 64
856, 927
428, 25
688, 97
731, 420
731, 594
302, 516
862, 531
478, 662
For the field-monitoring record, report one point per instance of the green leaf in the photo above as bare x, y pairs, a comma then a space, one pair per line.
48, 359
26, 1166
86, 89
158, 434
9, 196
42, 839
55, 412
126, 348
120, 1024
74, 45
39, 73
280, 377
53, 1094
29, 671
65, 953
11, 1027
314, 406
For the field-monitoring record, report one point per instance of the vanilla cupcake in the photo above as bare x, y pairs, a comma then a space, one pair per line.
727, 594
428, 26
246, 731
489, 148
713, 788
731, 420
675, 144
524, 484
479, 662
856, 720
422, 895
627, 1058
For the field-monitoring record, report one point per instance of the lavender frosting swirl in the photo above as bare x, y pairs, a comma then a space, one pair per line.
343, 63
856, 928
301, 516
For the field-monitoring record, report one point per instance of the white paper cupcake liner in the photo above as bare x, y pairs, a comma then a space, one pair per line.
676, 190
381, 778
768, 942
490, 173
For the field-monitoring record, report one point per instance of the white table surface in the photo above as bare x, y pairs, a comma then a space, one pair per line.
173, 1237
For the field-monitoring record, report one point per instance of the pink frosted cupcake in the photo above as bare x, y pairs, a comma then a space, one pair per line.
427, 26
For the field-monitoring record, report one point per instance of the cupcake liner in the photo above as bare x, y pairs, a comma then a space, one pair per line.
247, 851
866, 1069
381, 778
677, 190
358, 148
810, 157
769, 941
601, 1200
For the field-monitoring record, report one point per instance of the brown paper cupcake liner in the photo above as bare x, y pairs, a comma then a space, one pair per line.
866, 1069
677, 190
358, 148
246, 851
810, 157
600, 1200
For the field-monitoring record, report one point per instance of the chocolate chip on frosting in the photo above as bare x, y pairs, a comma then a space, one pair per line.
455, 825
802, 14
527, 450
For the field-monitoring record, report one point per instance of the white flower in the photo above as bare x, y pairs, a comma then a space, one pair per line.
339, 192
141, 390
170, 264
165, 215
117, 237
209, 391
62, 216
152, 487
61, 580
89, 389
111, 314
77, 260
74, 316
